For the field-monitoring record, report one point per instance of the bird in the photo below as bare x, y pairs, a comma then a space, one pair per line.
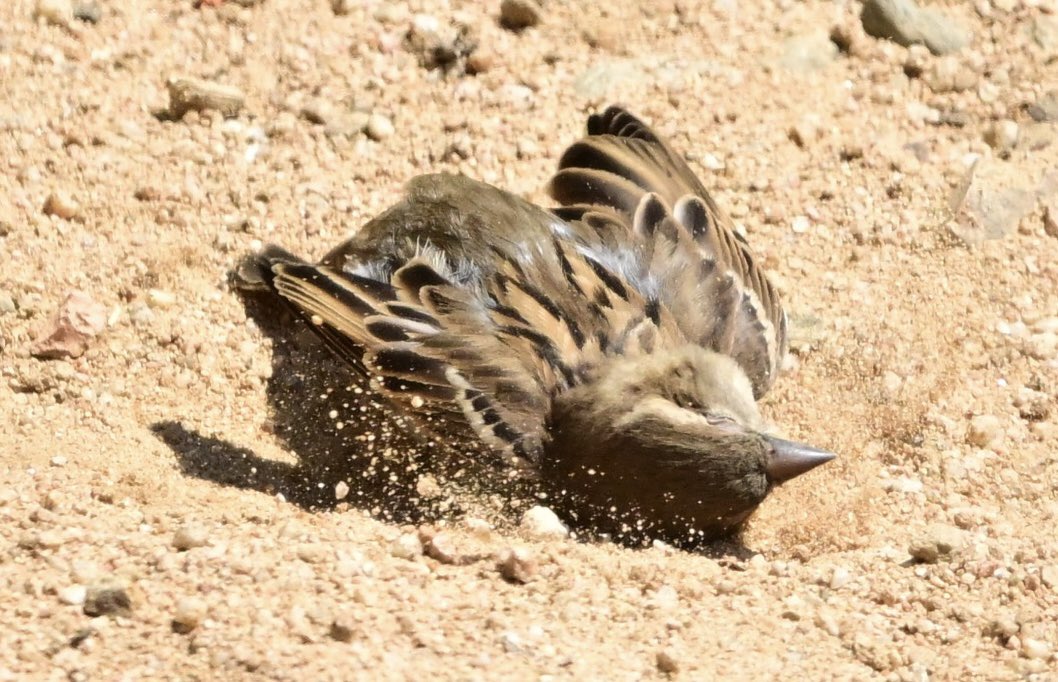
614, 344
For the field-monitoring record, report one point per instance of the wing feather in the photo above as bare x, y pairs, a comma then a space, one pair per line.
686, 247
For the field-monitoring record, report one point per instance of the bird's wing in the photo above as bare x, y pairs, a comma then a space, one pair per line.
426, 344
684, 246
491, 357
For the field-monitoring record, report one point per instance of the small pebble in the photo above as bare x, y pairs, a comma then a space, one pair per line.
48, 539
56, 12
937, 542
189, 537
439, 546
62, 205
948, 74
793, 608
985, 431
1050, 218
194, 94
107, 600
157, 298
541, 522
341, 490
1002, 136
74, 595
343, 629
667, 662
479, 527
479, 62
665, 598
188, 615
520, 14
428, 487
379, 127
88, 12
313, 553
1035, 648
517, 565
839, 578
1049, 576
407, 546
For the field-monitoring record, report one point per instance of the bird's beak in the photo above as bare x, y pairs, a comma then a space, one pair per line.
789, 459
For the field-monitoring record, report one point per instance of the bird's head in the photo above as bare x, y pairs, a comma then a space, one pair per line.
669, 447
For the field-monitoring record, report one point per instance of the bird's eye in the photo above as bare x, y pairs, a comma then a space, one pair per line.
687, 402
720, 420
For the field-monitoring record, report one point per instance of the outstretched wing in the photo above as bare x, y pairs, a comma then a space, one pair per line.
685, 248
489, 357
424, 343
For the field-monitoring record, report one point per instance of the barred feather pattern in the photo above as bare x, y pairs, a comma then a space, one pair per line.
624, 167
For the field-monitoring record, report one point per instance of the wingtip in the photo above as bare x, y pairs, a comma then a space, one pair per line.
254, 271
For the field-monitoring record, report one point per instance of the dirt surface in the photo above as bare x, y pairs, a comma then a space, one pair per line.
154, 524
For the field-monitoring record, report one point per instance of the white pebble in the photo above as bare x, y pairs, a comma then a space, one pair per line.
541, 522
1035, 648
157, 298
379, 127
839, 578
407, 546
57, 12
74, 595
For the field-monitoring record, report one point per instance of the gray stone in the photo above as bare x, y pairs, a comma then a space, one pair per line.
937, 542
194, 94
808, 52
904, 22
88, 12
107, 600
990, 202
1045, 109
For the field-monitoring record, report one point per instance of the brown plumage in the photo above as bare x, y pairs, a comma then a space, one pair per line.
616, 344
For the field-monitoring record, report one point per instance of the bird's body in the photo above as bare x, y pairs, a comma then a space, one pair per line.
615, 344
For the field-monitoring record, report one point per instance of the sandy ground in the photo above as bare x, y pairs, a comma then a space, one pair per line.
150, 479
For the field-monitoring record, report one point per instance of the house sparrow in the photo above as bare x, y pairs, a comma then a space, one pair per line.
615, 345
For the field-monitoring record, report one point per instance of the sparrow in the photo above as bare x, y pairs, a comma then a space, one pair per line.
615, 344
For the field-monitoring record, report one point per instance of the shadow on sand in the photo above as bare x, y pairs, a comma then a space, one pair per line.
338, 432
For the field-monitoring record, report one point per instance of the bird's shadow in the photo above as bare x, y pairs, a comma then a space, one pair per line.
348, 448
